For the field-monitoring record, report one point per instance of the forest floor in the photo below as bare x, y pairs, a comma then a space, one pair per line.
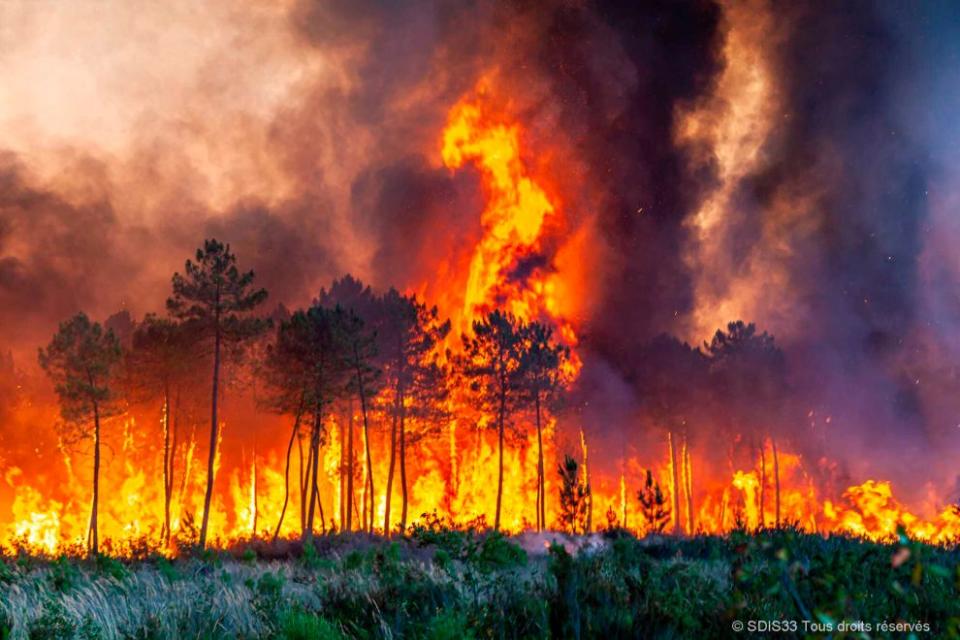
438, 583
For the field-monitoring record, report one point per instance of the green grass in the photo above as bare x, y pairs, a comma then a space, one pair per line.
445, 584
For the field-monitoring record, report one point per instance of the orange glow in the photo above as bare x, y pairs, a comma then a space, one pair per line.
455, 474
517, 215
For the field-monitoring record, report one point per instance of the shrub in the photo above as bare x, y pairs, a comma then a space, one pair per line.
449, 625
300, 625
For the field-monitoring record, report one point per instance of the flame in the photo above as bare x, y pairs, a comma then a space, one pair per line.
511, 266
519, 211
132, 504
517, 206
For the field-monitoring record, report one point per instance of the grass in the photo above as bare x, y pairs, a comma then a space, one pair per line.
440, 583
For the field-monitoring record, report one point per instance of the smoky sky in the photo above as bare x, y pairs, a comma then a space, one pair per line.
308, 139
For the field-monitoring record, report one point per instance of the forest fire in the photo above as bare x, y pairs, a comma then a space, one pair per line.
399, 455
552, 243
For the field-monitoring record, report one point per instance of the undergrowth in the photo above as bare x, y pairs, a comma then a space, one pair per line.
440, 582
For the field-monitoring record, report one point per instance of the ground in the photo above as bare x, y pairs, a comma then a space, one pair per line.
439, 583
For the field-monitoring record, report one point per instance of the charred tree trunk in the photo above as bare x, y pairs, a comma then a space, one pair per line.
314, 464
323, 520
763, 480
688, 484
390, 470
500, 428
253, 488
93, 537
356, 507
361, 391
403, 471
304, 476
188, 458
398, 403
342, 471
588, 525
776, 482
286, 474
369, 501
350, 471
167, 486
541, 497
214, 426
168, 498
675, 483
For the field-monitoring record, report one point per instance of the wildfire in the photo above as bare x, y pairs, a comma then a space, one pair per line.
506, 270
510, 268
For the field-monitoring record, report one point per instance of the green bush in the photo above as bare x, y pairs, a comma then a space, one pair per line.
299, 625
449, 625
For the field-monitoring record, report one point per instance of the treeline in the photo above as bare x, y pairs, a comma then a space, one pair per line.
389, 353
394, 358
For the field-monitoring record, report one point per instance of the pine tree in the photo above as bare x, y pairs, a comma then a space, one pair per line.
748, 377
541, 379
82, 360
364, 337
574, 495
360, 350
159, 364
214, 299
410, 338
653, 506
284, 370
491, 362
311, 349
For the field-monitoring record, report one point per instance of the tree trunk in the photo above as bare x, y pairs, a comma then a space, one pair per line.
342, 470
500, 427
541, 497
370, 503
187, 462
175, 417
403, 470
323, 520
356, 508
304, 477
366, 436
167, 487
286, 475
314, 464
776, 481
588, 525
688, 485
675, 482
537, 508
214, 429
350, 471
763, 480
93, 537
393, 456
253, 488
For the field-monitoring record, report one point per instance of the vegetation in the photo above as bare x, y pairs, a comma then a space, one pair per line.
653, 506
385, 354
389, 356
574, 497
160, 363
82, 361
214, 299
438, 582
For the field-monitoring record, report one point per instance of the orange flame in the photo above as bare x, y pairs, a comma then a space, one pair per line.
456, 475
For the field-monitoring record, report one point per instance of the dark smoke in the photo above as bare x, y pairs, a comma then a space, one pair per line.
867, 314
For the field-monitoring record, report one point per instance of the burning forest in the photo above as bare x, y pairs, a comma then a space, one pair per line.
274, 272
